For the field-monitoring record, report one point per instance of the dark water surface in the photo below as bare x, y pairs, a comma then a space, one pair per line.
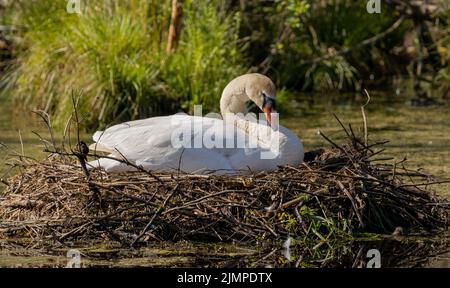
389, 252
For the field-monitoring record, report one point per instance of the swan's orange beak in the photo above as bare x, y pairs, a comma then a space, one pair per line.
268, 107
267, 110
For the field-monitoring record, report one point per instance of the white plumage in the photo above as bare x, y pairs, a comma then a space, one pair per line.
149, 143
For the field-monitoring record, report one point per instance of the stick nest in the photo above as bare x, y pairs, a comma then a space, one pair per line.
336, 193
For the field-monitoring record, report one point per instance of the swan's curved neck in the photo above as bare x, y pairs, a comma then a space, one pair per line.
233, 101
281, 144
265, 134
234, 111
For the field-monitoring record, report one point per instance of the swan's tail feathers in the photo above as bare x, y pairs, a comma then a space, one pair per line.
97, 147
110, 165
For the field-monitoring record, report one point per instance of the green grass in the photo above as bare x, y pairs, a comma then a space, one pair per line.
115, 53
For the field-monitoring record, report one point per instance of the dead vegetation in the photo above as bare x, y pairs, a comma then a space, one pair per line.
336, 193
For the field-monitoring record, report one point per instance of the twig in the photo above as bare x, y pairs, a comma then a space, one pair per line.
46, 118
328, 139
366, 136
160, 210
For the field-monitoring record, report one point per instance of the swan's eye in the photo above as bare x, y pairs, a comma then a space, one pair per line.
269, 102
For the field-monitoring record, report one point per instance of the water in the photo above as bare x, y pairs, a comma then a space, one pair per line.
421, 134
389, 252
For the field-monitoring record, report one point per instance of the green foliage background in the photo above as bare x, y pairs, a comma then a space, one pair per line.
114, 52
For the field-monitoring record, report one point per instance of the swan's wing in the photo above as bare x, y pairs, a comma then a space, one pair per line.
111, 133
149, 143
207, 146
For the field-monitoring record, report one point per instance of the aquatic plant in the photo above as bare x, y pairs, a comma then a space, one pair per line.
115, 51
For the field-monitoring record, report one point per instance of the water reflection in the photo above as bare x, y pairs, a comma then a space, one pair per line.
387, 253
406, 253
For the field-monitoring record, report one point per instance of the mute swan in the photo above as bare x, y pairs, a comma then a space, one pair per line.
149, 143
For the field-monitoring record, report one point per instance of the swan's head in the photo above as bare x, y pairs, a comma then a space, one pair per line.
261, 90
255, 87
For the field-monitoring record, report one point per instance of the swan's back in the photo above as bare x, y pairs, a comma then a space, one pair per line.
149, 143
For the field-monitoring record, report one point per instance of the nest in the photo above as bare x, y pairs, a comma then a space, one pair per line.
335, 194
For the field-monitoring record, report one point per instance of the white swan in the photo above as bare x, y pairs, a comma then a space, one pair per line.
149, 143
